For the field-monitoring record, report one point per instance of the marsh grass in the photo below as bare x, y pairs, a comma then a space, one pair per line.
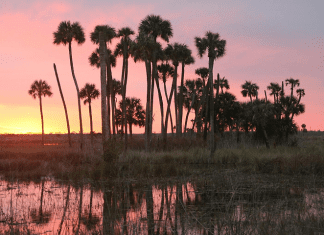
27, 159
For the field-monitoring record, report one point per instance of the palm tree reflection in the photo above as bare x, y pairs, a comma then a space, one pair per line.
40, 216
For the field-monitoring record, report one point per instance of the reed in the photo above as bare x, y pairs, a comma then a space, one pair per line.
26, 159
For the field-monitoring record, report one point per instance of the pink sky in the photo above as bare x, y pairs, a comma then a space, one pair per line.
265, 43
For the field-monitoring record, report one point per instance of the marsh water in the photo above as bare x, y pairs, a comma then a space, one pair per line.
203, 206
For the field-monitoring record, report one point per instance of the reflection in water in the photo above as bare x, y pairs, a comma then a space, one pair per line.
207, 207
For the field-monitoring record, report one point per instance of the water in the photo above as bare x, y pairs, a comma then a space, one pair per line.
195, 207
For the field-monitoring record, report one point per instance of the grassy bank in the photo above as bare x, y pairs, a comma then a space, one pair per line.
23, 157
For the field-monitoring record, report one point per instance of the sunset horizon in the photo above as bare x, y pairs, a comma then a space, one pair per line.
265, 43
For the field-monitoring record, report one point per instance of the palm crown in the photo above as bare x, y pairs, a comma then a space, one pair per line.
249, 89
89, 92
212, 43
67, 32
108, 32
40, 88
154, 25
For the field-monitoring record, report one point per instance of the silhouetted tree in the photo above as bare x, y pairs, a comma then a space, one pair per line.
88, 93
65, 33
38, 89
216, 49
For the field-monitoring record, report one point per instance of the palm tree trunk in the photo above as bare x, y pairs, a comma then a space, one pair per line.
91, 127
64, 105
173, 90
110, 85
167, 99
212, 109
265, 95
130, 129
104, 119
41, 112
179, 124
125, 86
151, 99
192, 104
161, 102
123, 97
148, 105
108, 99
176, 102
78, 93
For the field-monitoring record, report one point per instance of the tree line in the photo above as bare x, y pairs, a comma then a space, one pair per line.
215, 111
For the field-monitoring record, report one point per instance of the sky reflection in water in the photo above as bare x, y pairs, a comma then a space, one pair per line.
55, 208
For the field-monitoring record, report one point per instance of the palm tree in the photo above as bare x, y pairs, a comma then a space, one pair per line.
154, 26
108, 33
293, 83
94, 60
275, 90
250, 89
142, 51
38, 89
172, 52
89, 92
123, 48
216, 49
301, 93
64, 35
186, 59
64, 105
165, 70
135, 114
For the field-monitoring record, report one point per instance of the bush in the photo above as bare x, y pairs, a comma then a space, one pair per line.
112, 150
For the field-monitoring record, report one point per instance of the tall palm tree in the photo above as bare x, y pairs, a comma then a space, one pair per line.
142, 51
88, 93
94, 60
275, 90
216, 49
155, 26
65, 33
123, 48
165, 70
186, 59
172, 52
38, 89
250, 89
64, 105
108, 33
293, 83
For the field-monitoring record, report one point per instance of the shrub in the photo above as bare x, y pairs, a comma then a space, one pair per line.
112, 150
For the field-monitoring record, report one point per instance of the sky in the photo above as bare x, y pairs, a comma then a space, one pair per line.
267, 41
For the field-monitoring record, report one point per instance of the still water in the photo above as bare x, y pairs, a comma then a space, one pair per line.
195, 207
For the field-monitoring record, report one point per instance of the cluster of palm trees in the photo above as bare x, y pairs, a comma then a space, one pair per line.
215, 110
146, 48
261, 116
